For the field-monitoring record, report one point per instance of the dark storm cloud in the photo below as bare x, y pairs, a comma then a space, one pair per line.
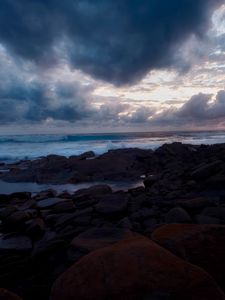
36, 102
117, 41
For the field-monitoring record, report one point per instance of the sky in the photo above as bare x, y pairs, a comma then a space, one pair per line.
79, 66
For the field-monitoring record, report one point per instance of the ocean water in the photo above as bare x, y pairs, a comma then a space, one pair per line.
20, 147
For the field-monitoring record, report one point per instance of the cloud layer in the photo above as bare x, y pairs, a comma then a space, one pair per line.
117, 41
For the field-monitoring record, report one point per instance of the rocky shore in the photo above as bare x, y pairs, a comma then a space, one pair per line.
164, 240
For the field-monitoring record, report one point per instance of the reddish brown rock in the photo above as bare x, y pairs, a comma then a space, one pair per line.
6, 295
134, 269
202, 245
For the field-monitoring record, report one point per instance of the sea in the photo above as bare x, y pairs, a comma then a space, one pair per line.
22, 147
14, 148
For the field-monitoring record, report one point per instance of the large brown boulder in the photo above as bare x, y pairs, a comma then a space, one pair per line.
202, 245
6, 295
134, 269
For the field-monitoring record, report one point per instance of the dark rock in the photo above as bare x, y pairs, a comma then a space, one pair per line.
63, 206
35, 228
50, 202
125, 223
143, 214
86, 155
150, 180
21, 196
7, 295
215, 212
16, 220
28, 205
15, 243
201, 219
195, 204
7, 211
216, 182
47, 245
177, 215
99, 237
206, 170
95, 190
45, 195
112, 205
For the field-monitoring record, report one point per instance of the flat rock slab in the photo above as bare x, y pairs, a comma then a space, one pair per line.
100, 237
50, 202
15, 243
95, 190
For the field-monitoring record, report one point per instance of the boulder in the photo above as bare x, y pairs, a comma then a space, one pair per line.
7, 295
202, 245
95, 238
177, 215
114, 204
134, 269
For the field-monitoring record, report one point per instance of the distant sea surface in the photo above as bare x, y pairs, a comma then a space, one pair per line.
20, 147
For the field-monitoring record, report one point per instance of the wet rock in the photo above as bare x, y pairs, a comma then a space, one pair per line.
50, 202
15, 243
177, 215
134, 269
202, 245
